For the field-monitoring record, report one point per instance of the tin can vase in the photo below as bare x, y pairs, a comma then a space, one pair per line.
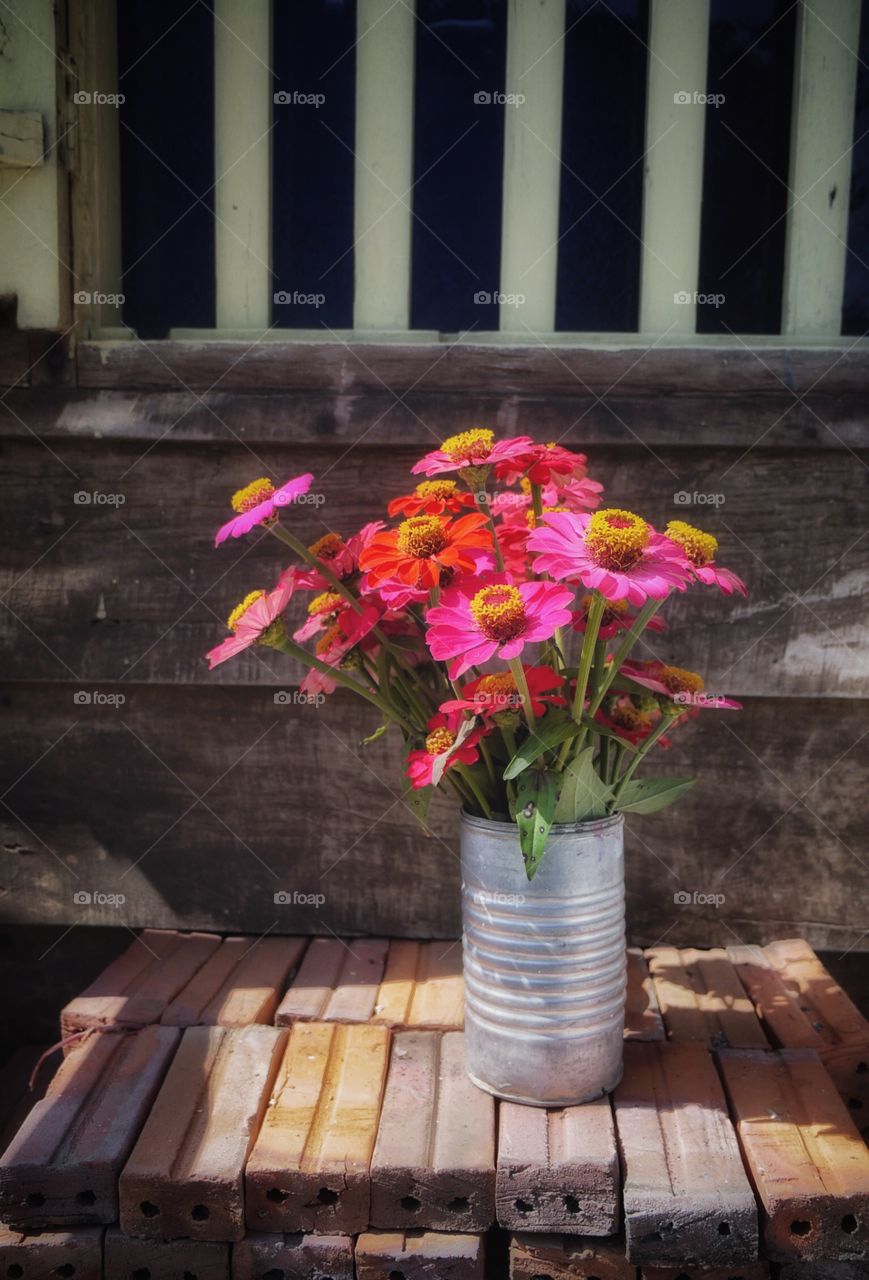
544, 961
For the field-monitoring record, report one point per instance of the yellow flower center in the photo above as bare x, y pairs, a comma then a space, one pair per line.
437, 489
325, 602
241, 609
469, 446
614, 611
439, 741
329, 637
617, 539
500, 689
252, 495
678, 680
628, 717
530, 518
698, 546
525, 486
421, 537
327, 547
499, 612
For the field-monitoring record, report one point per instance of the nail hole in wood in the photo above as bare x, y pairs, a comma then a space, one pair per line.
411, 1204
849, 1224
799, 1227
200, 1213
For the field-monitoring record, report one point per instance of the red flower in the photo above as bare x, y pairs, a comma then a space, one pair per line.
422, 547
487, 695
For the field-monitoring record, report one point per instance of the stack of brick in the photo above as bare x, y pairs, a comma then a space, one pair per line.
281, 1110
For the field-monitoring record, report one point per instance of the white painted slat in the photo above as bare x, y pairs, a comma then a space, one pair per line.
532, 164
673, 190
383, 178
822, 128
243, 103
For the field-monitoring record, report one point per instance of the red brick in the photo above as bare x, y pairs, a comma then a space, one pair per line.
185, 1175
686, 1195
242, 982
702, 998
309, 1169
747, 1271
558, 1170
808, 1163
422, 987
822, 1271
337, 982
434, 1162
418, 1255
535, 1257
129, 1259
62, 1167
292, 1257
136, 988
76, 1251
642, 1015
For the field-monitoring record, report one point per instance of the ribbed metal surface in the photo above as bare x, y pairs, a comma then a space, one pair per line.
544, 962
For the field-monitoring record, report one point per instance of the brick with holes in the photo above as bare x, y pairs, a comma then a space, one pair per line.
434, 1162
73, 1251
292, 1257
809, 1165
686, 1195
568, 1258
337, 982
185, 1174
127, 1258
62, 1167
747, 1271
419, 1255
558, 1169
309, 1169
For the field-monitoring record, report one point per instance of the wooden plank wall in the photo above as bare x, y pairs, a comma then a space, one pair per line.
200, 797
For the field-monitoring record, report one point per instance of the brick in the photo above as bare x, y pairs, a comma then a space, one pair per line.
309, 1169
76, 1251
747, 1271
127, 1258
337, 982
702, 998
418, 1255
185, 1174
422, 987
642, 1016
136, 988
808, 1163
533, 1257
241, 982
686, 1196
558, 1170
822, 1271
434, 1162
292, 1257
61, 1168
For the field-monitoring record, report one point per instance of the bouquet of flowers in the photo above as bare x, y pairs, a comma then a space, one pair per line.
492, 623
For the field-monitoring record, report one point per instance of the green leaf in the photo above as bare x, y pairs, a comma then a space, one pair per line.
550, 734
647, 795
378, 733
536, 797
584, 795
418, 800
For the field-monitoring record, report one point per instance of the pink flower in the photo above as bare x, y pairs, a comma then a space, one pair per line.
613, 551
335, 643
443, 730
255, 620
490, 615
685, 688
541, 463
475, 448
699, 549
259, 501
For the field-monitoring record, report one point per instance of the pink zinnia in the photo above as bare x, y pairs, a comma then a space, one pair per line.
258, 502
699, 549
491, 615
335, 643
680, 686
469, 449
542, 463
255, 620
613, 551
439, 745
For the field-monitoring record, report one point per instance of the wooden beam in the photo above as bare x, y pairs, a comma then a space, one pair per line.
382, 205
532, 165
822, 132
675, 123
243, 104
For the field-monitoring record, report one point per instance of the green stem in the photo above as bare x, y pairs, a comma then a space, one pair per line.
340, 677
518, 671
618, 756
630, 639
643, 751
308, 556
537, 502
589, 643
469, 778
486, 509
